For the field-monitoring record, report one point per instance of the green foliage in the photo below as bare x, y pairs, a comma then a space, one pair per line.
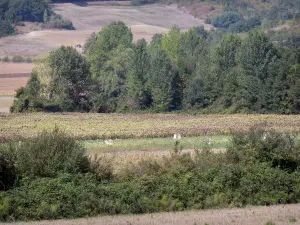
25, 10
212, 71
159, 80
6, 28
8, 172
28, 99
17, 59
69, 79
254, 171
6, 59
49, 154
57, 21
225, 19
277, 149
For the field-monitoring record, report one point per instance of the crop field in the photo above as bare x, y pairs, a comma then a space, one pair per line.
279, 215
101, 126
144, 22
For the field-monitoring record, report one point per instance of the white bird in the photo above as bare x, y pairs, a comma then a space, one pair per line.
177, 137
109, 142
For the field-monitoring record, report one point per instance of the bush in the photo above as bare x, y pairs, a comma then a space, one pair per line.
57, 21
225, 19
28, 60
5, 59
8, 173
259, 145
51, 153
17, 59
6, 28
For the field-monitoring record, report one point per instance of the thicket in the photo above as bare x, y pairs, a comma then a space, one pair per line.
193, 70
259, 168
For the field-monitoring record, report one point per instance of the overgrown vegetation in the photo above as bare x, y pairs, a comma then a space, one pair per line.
244, 175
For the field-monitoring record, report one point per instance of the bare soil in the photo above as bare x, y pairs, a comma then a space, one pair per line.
144, 22
12, 77
15, 68
279, 215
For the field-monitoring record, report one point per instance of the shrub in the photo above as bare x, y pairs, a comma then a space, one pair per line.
17, 59
8, 173
28, 60
259, 145
207, 20
57, 21
225, 19
51, 153
5, 59
6, 28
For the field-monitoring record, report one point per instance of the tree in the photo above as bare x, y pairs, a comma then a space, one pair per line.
70, 78
294, 89
46, 17
6, 28
255, 54
137, 95
160, 79
29, 98
110, 56
226, 52
170, 43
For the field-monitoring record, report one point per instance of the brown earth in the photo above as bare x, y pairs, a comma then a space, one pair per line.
279, 215
15, 68
144, 22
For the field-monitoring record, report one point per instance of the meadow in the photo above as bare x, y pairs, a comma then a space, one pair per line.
144, 22
92, 126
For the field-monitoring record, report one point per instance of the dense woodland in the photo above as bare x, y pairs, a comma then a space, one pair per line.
198, 70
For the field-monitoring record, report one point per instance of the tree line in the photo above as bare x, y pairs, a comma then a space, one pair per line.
193, 70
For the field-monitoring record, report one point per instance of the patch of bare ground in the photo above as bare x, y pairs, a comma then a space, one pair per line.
12, 77
16, 68
144, 21
279, 215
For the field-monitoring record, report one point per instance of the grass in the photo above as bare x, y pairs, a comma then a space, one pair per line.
278, 214
155, 144
92, 126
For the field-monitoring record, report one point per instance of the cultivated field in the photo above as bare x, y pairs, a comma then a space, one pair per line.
12, 77
101, 126
279, 215
144, 21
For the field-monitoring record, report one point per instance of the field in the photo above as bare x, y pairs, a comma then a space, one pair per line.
279, 215
144, 22
101, 126
12, 77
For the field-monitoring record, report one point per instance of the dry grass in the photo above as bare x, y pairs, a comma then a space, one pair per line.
279, 215
5, 103
144, 21
101, 126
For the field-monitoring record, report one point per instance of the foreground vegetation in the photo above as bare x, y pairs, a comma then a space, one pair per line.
101, 126
50, 177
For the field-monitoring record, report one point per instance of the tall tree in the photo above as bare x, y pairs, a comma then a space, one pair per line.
137, 95
160, 79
